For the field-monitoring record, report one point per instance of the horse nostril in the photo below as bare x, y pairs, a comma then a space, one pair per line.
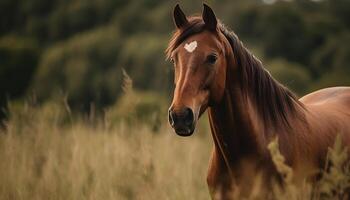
188, 117
171, 117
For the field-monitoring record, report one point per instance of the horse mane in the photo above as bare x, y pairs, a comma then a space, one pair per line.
276, 105
274, 101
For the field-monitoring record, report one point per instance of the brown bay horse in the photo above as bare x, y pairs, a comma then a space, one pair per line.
247, 107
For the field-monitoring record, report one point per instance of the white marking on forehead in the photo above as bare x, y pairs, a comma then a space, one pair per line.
191, 46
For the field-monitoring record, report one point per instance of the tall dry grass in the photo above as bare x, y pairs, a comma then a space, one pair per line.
46, 153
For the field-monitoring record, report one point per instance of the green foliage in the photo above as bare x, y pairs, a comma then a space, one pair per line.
333, 55
18, 59
78, 48
148, 71
332, 61
340, 9
280, 38
292, 75
83, 67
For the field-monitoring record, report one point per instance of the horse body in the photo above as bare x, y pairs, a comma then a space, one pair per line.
237, 156
248, 108
328, 114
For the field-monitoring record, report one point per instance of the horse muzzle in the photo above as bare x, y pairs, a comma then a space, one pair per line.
182, 121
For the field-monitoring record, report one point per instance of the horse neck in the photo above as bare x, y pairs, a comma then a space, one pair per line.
240, 125
232, 127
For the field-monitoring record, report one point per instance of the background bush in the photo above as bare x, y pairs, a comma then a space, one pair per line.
77, 48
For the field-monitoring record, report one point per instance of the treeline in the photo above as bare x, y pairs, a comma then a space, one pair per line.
78, 48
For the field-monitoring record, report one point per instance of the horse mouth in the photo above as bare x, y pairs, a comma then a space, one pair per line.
184, 132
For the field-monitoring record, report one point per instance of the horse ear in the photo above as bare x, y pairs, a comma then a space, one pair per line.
179, 17
209, 18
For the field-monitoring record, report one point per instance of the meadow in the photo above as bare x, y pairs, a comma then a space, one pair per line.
47, 156
47, 153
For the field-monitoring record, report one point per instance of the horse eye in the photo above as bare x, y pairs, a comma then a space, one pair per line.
212, 59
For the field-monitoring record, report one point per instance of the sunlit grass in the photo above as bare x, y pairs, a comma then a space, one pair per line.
45, 158
48, 154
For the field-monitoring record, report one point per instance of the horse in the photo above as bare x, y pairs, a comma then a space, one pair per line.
247, 107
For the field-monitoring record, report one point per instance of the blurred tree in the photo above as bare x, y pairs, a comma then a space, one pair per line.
18, 59
332, 61
79, 47
283, 33
292, 75
340, 9
83, 67
333, 55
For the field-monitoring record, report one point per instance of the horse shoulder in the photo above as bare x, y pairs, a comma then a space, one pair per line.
327, 115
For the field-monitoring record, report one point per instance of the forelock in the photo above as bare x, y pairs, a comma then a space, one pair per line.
195, 26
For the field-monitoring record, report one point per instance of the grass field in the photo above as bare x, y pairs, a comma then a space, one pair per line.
48, 154
44, 157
